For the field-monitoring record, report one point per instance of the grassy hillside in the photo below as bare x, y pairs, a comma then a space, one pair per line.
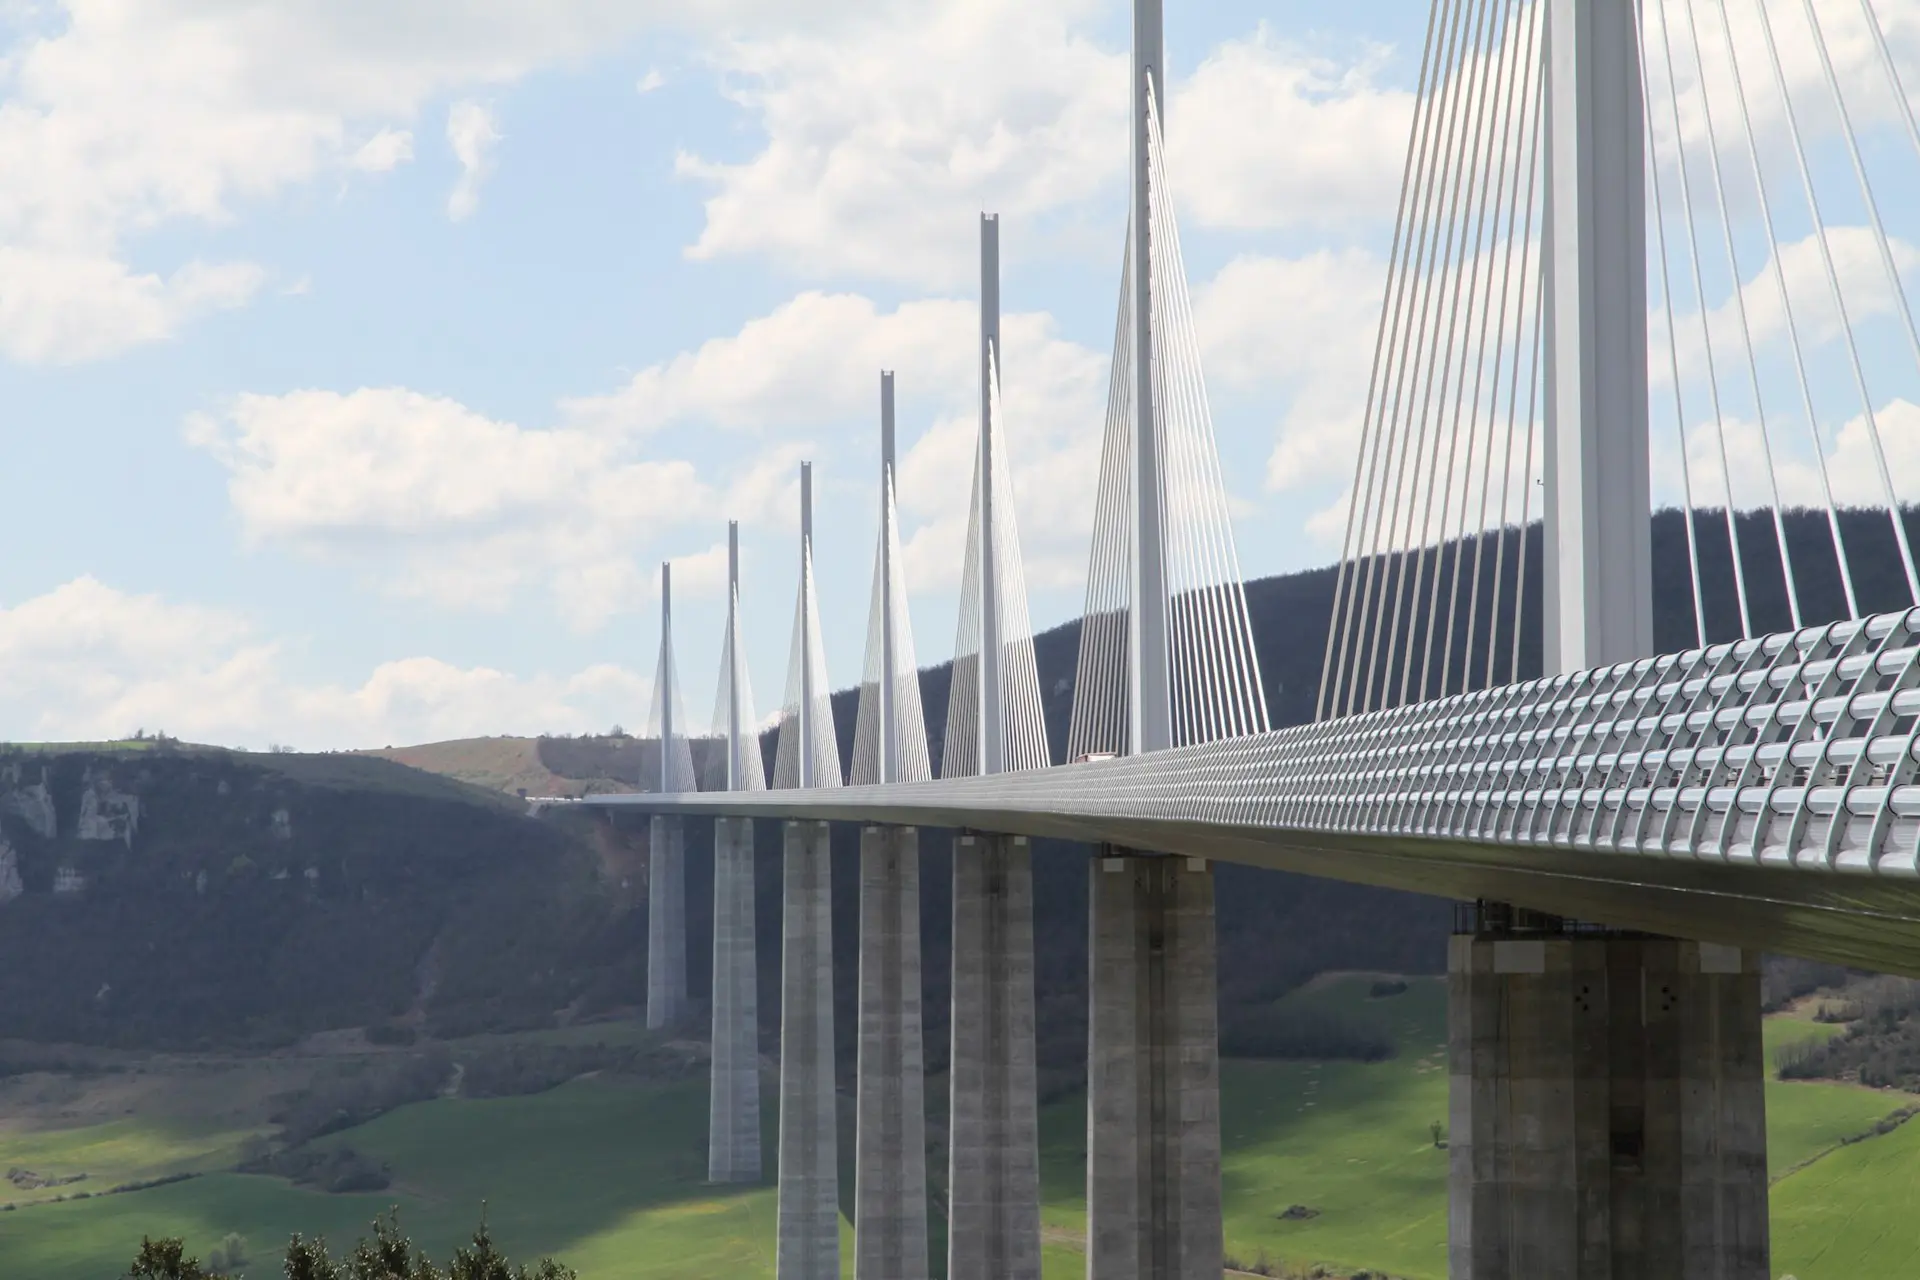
606, 1173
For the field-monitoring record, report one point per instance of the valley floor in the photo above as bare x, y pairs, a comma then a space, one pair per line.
1329, 1163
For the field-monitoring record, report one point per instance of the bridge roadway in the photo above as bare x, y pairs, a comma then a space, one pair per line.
1761, 794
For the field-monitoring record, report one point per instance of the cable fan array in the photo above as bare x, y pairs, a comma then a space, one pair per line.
1802, 352
1444, 480
1023, 728
1783, 355
888, 620
806, 717
1214, 677
676, 772
733, 706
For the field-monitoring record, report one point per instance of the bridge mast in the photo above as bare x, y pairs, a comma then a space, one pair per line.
1150, 718
666, 667
734, 764
1599, 559
889, 731
992, 730
807, 727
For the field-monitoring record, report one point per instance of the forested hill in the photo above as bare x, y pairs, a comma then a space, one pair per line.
159, 895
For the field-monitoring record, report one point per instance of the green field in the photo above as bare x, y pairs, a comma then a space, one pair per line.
607, 1175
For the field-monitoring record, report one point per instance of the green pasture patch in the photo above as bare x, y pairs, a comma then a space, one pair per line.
1850, 1214
609, 1174
111, 1155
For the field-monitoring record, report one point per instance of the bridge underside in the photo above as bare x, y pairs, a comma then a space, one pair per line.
1868, 921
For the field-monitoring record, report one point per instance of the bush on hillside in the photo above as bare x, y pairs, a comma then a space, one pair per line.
337, 1170
364, 1091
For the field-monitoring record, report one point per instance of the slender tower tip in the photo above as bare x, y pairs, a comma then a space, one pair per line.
806, 504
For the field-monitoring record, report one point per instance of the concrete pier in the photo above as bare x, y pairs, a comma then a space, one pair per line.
733, 1109
993, 1174
666, 923
1153, 1072
808, 1247
1607, 1106
890, 1144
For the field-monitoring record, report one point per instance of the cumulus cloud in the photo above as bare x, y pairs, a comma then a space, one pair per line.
1849, 453
881, 138
116, 119
87, 661
436, 500
1269, 134
813, 359
66, 306
443, 503
1298, 332
473, 133
385, 150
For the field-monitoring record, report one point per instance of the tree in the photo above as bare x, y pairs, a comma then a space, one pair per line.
388, 1256
167, 1260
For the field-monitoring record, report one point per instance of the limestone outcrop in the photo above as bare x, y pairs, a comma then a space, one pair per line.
106, 812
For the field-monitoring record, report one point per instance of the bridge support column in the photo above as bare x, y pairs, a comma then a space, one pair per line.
890, 1143
733, 1114
1608, 1114
809, 1227
993, 1175
666, 923
1153, 1072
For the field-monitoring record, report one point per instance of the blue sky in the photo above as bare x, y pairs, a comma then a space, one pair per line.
361, 361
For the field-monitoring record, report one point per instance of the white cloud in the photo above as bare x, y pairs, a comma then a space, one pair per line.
1268, 134
436, 500
882, 139
812, 360
473, 133
1852, 463
88, 661
384, 151
1300, 330
654, 79
443, 503
59, 307
117, 119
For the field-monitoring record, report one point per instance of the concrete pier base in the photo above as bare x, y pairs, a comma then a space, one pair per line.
1607, 1106
666, 923
993, 1174
1153, 1072
890, 1143
733, 1106
808, 1246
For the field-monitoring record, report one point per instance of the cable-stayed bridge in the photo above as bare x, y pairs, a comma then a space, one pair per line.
1596, 238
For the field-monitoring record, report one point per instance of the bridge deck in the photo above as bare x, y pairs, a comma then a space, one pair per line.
1761, 793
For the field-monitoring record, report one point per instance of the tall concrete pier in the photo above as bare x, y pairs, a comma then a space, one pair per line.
666, 923
809, 1227
993, 1175
1608, 1113
890, 1166
733, 1121
1153, 1072
733, 1106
